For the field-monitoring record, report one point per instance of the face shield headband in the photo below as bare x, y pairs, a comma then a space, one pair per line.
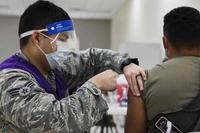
65, 26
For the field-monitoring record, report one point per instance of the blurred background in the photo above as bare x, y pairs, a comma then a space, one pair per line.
127, 26
133, 26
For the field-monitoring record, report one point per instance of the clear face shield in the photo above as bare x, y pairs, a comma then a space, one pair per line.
65, 42
65, 39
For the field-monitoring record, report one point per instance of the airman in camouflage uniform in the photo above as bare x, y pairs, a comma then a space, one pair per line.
25, 106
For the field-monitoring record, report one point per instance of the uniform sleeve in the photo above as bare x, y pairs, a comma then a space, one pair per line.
28, 107
80, 67
102, 59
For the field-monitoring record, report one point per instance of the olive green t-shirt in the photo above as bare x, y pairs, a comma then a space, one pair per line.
171, 85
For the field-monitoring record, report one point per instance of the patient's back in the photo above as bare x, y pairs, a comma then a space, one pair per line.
172, 85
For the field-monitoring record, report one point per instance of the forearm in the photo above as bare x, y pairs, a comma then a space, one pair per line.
107, 59
78, 68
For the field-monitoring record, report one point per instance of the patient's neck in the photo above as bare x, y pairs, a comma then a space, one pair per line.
186, 52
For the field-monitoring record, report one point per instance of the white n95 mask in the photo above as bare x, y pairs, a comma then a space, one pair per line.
66, 60
65, 52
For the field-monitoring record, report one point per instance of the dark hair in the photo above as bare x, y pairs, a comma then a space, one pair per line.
182, 27
37, 16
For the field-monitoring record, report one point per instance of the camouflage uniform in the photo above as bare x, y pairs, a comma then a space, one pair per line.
26, 107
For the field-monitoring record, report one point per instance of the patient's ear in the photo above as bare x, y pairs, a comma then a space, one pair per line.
165, 42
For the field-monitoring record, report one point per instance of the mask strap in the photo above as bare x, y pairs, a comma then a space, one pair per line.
55, 38
40, 49
52, 40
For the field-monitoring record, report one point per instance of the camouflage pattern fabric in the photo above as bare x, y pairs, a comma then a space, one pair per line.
26, 107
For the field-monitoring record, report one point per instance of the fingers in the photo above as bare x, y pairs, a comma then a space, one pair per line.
135, 85
131, 87
140, 79
131, 79
130, 83
113, 80
135, 76
142, 72
140, 82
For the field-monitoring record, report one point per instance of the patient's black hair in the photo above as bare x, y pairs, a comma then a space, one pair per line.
182, 27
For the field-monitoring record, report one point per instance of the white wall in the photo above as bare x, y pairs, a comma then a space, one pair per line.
92, 33
148, 54
8, 36
142, 20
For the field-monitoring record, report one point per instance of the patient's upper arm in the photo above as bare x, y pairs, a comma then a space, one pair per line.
136, 118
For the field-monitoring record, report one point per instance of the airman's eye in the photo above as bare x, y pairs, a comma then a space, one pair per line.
63, 37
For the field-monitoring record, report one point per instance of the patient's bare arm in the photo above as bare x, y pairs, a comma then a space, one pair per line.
136, 118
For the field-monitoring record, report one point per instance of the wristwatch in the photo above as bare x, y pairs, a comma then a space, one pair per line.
129, 61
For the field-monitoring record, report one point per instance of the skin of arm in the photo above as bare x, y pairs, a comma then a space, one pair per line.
136, 116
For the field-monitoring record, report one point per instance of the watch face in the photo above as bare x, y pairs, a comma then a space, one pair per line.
129, 61
135, 61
